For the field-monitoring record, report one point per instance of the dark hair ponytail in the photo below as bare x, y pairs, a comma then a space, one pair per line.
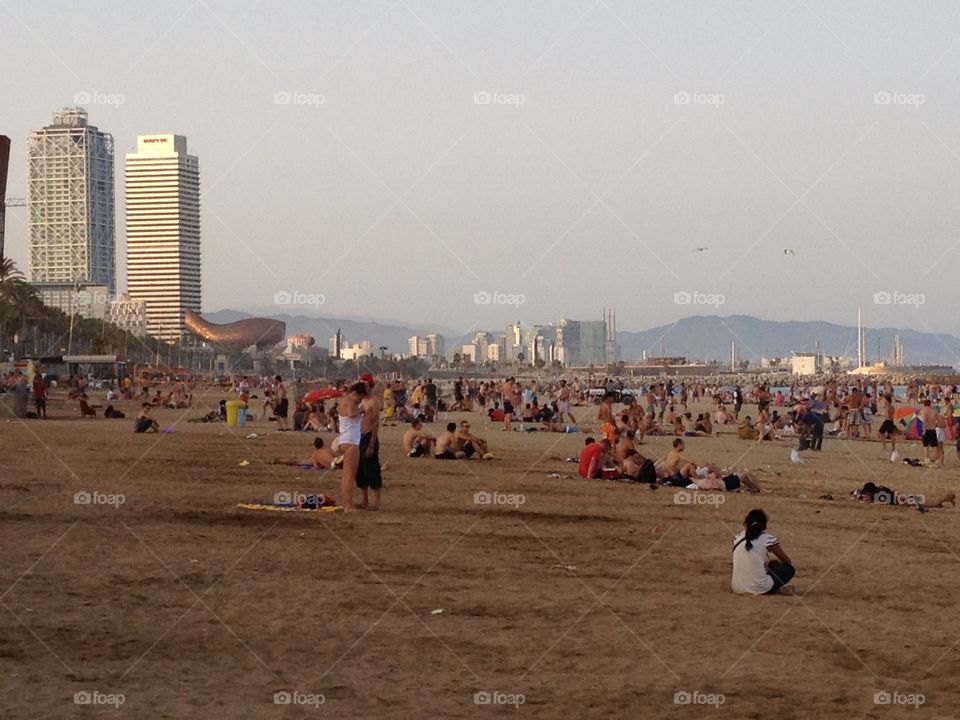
755, 523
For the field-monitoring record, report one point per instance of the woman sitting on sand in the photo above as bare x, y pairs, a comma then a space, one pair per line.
754, 572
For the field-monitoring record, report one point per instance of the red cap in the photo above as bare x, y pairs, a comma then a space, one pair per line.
368, 379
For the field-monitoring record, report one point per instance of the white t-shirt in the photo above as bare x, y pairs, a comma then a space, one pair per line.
750, 566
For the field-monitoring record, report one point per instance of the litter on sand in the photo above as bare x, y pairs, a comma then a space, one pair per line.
564, 567
244, 463
438, 611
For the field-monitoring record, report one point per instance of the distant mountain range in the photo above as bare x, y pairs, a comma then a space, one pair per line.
701, 337
710, 337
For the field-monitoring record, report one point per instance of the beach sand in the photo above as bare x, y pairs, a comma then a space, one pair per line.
588, 598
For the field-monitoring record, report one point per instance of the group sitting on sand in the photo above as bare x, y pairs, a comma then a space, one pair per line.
603, 460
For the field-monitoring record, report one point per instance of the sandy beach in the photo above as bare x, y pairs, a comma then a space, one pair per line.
551, 596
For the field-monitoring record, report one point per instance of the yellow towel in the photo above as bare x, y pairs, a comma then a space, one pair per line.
275, 508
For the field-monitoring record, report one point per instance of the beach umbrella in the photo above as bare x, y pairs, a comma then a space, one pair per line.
322, 394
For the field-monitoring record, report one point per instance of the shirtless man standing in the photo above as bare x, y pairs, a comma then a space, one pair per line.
608, 426
929, 418
564, 403
369, 476
506, 391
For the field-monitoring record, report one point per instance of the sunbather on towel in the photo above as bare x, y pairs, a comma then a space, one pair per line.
321, 458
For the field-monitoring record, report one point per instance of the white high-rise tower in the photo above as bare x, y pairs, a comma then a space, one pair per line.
163, 232
70, 207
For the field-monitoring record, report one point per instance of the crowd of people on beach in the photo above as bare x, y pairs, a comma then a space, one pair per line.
616, 419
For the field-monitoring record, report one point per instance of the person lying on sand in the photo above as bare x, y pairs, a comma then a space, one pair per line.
712, 477
882, 495
321, 458
417, 442
754, 571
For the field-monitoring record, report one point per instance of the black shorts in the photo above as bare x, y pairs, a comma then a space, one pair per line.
732, 482
508, 407
282, 408
888, 427
41, 403
648, 473
446, 455
368, 470
417, 450
676, 480
930, 438
142, 425
468, 449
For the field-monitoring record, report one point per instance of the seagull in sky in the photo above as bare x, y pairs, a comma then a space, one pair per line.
788, 251
699, 249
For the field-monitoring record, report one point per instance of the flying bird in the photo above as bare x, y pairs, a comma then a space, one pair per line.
699, 249
788, 251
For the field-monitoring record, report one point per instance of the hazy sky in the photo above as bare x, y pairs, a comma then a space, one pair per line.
343, 138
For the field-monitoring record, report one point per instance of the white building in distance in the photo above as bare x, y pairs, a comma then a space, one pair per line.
163, 232
70, 206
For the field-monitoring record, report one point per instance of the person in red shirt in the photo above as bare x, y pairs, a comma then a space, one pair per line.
591, 458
